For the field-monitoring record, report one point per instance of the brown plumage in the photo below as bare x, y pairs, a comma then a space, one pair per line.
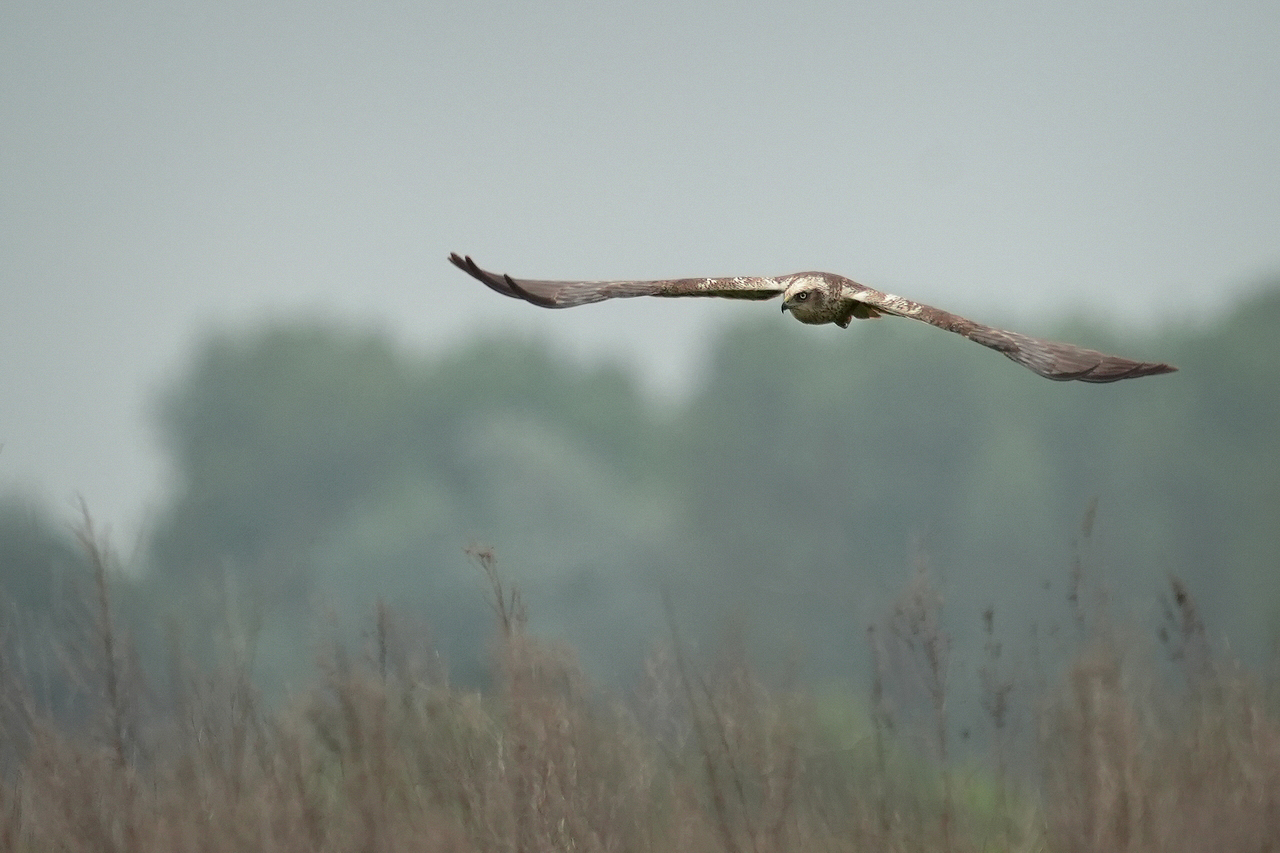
821, 297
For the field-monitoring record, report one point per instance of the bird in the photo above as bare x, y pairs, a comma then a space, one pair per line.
818, 298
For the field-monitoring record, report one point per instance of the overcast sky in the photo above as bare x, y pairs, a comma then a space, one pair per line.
174, 167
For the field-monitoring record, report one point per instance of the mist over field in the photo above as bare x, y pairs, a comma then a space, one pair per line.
885, 584
320, 468
310, 542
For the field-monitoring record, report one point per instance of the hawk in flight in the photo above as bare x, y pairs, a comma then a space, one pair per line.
823, 297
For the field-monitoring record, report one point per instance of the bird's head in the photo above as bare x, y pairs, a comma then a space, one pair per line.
807, 297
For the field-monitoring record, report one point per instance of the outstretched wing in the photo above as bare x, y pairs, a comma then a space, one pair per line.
1052, 360
567, 294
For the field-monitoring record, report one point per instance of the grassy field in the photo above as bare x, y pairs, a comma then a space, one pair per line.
1133, 745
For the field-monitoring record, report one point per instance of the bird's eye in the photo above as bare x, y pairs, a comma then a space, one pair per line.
802, 296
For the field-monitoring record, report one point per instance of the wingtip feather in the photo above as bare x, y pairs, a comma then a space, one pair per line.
1115, 369
540, 301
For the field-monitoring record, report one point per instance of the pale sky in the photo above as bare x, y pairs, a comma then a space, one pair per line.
174, 167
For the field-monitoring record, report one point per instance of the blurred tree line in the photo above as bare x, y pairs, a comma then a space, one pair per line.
807, 476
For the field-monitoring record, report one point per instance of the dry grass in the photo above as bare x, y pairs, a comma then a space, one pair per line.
1135, 762
383, 754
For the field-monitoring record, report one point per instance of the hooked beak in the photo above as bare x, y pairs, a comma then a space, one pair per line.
785, 306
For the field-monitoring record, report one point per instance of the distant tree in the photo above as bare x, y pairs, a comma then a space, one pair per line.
274, 436
320, 468
821, 468
44, 581
39, 559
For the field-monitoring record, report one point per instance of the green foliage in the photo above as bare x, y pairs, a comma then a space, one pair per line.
42, 574
37, 559
322, 468
274, 437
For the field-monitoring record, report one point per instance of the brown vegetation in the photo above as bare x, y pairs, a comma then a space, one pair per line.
385, 754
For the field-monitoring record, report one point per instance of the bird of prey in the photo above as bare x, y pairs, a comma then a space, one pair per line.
822, 297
